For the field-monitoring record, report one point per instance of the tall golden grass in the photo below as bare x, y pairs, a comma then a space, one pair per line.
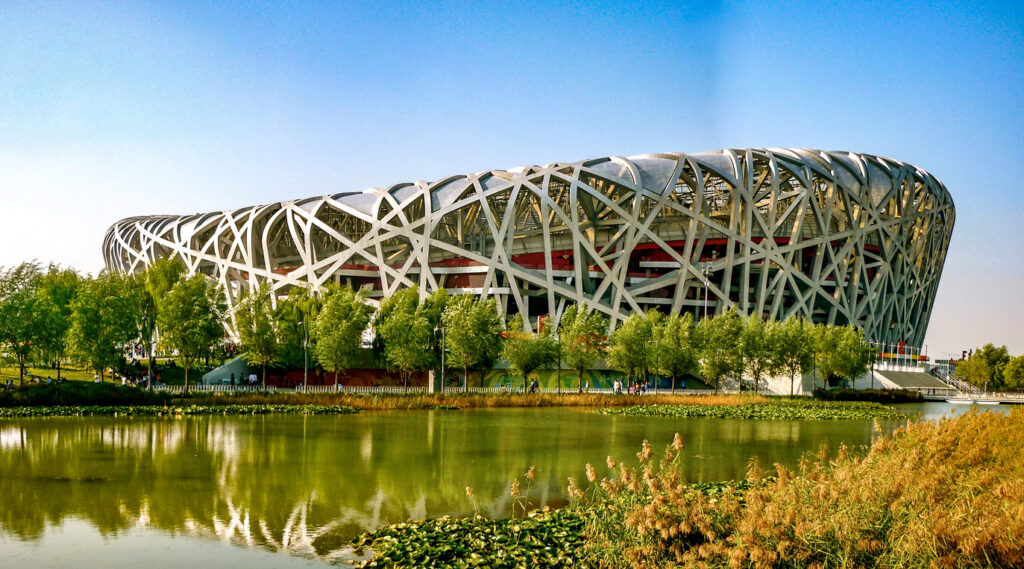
389, 402
934, 494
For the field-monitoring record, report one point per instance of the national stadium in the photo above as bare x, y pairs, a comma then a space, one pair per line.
837, 237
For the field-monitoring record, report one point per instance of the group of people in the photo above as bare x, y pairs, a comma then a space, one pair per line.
637, 388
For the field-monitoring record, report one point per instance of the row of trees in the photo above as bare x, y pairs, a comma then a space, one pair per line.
992, 368
56, 313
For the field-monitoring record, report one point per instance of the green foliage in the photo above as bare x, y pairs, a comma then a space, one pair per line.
24, 316
339, 328
526, 352
105, 319
793, 350
756, 341
542, 538
779, 409
675, 347
57, 291
294, 318
985, 367
885, 396
156, 281
404, 333
1013, 373
631, 349
718, 339
257, 330
472, 329
190, 319
581, 335
79, 394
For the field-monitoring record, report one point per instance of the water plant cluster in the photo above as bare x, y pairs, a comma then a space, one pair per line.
541, 538
164, 410
783, 409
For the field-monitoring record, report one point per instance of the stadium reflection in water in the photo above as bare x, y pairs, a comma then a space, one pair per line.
307, 485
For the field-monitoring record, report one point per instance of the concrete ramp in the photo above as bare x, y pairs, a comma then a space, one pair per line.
236, 366
908, 380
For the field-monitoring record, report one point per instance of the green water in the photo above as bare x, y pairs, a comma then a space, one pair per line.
283, 491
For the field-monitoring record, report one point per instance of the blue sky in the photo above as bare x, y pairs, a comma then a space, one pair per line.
125, 108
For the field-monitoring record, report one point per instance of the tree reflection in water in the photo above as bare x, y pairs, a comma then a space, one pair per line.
307, 485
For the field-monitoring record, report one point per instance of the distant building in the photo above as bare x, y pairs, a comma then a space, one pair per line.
834, 236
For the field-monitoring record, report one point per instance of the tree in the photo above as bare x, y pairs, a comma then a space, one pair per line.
827, 359
675, 352
157, 280
24, 316
257, 330
294, 316
57, 291
630, 347
718, 339
854, 354
526, 352
755, 344
104, 320
793, 350
339, 328
472, 330
403, 333
190, 319
996, 358
977, 371
1013, 373
581, 335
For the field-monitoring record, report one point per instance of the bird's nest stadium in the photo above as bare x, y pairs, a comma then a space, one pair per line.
837, 237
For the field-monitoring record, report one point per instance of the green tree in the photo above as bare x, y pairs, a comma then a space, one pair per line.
339, 328
1013, 373
257, 330
472, 330
104, 320
403, 333
526, 352
793, 349
755, 344
827, 358
57, 291
675, 352
24, 316
985, 368
718, 339
294, 316
854, 354
190, 319
631, 346
581, 334
157, 280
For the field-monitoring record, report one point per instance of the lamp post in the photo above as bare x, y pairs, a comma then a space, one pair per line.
440, 328
305, 351
707, 285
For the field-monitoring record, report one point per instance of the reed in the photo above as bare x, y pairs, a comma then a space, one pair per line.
394, 402
934, 494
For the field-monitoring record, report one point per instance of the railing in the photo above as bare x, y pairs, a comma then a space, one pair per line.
215, 388
977, 395
954, 382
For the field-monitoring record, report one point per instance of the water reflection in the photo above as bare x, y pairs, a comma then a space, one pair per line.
306, 486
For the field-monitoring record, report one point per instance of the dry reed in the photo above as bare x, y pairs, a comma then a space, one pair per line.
934, 494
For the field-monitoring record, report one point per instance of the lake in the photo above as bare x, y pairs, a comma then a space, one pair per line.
292, 491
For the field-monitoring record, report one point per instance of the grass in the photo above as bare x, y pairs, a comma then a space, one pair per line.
471, 400
778, 408
948, 493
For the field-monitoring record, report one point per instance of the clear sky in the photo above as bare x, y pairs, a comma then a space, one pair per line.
114, 109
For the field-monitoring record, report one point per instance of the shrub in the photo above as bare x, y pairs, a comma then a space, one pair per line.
887, 396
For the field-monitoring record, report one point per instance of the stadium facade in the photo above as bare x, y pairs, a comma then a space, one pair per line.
837, 237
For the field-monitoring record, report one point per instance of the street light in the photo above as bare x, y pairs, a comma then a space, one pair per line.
305, 359
436, 329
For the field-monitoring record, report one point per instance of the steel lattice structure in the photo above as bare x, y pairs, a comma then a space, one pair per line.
837, 237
